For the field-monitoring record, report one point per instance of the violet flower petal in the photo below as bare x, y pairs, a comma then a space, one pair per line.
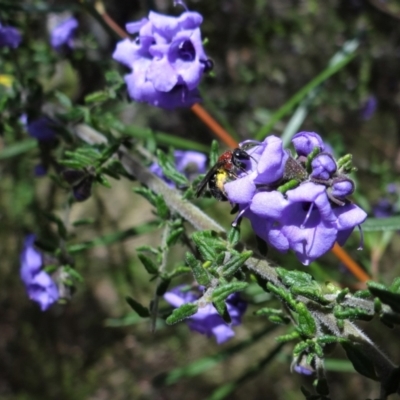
271, 164
241, 191
305, 142
63, 33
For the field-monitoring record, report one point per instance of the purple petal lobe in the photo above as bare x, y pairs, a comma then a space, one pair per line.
305, 142
241, 190
134, 27
271, 164
63, 33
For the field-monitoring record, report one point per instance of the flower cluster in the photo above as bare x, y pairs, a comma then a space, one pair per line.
207, 321
300, 203
167, 59
189, 163
39, 285
9, 37
63, 34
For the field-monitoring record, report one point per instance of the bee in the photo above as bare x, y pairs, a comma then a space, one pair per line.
225, 169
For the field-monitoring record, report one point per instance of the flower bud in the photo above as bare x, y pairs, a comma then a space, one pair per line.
305, 142
323, 166
342, 187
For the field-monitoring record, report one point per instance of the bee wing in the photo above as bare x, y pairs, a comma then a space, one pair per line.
203, 183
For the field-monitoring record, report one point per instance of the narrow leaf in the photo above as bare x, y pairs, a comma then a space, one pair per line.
222, 292
361, 363
179, 314
137, 307
199, 272
381, 224
148, 263
306, 321
236, 261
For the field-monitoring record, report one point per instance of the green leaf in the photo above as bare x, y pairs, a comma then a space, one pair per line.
223, 291
103, 181
283, 294
341, 58
361, 363
214, 152
395, 286
177, 271
83, 221
169, 170
208, 244
299, 348
381, 224
148, 263
306, 321
162, 208
137, 307
163, 138
387, 297
295, 278
96, 97
234, 235
64, 100
236, 261
18, 148
279, 320
312, 294
179, 314
390, 319
222, 309
206, 363
150, 196
174, 236
352, 313
113, 237
199, 272
162, 287
288, 338
322, 387
62, 231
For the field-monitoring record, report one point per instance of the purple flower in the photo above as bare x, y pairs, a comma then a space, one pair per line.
207, 321
9, 37
42, 129
303, 370
63, 34
167, 59
308, 218
189, 163
39, 285
369, 107
305, 142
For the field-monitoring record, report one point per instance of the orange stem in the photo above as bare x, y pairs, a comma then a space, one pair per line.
218, 130
350, 264
225, 137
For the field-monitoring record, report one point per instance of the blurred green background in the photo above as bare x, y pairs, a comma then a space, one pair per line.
264, 52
